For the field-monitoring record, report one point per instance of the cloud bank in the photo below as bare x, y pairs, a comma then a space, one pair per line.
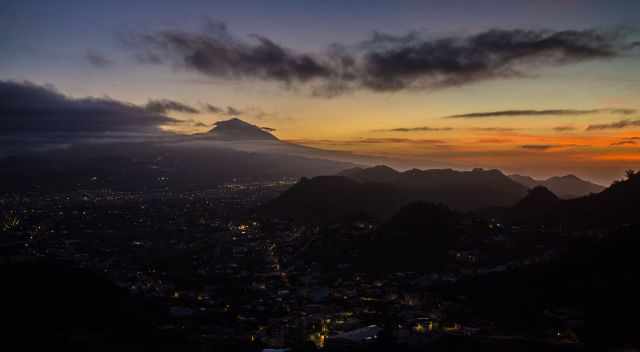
29, 108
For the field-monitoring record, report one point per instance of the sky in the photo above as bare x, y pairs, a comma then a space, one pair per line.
540, 87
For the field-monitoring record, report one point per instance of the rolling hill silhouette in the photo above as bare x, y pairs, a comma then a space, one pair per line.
381, 191
566, 187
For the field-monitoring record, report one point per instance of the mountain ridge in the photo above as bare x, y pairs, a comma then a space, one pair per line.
566, 187
380, 191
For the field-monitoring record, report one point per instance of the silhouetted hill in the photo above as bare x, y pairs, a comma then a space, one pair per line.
417, 217
380, 174
536, 205
616, 205
566, 187
538, 197
334, 198
418, 237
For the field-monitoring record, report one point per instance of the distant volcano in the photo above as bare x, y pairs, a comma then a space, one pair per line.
237, 130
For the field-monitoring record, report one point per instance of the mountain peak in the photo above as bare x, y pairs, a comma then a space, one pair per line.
236, 129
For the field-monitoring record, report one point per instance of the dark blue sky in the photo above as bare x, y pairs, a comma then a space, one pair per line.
68, 23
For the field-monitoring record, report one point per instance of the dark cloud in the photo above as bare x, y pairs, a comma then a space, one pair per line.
228, 111
164, 106
621, 111
380, 40
546, 146
384, 62
564, 128
214, 109
416, 129
231, 111
494, 129
98, 59
27, 108
216, 53
493, 140
553, 112
539, 146
261, 115
614, 125
492, 54
627, 141
200, 124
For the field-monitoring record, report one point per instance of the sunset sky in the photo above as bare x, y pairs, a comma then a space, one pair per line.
540, 87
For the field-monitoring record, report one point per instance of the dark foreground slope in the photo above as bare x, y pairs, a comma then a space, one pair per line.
591, 282
53, 306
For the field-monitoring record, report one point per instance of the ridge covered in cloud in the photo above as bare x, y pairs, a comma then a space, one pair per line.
29, 108
551, 112
384, 62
